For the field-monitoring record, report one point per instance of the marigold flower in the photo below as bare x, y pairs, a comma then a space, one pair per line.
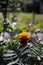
24, 37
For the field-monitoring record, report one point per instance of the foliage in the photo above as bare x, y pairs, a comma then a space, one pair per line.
22, 54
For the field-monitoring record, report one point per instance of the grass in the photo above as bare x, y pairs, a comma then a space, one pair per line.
25, 18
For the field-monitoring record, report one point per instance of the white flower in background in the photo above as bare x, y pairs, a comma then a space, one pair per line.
1, 39
14, 24
30, 24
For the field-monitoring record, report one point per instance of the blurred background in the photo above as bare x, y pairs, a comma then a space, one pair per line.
25, 11
18, 16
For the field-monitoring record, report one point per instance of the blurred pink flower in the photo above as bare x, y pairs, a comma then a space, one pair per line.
7, 36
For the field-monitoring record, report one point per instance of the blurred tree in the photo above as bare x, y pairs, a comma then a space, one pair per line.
4, 4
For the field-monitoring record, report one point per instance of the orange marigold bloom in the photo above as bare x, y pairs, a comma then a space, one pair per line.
24, 37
